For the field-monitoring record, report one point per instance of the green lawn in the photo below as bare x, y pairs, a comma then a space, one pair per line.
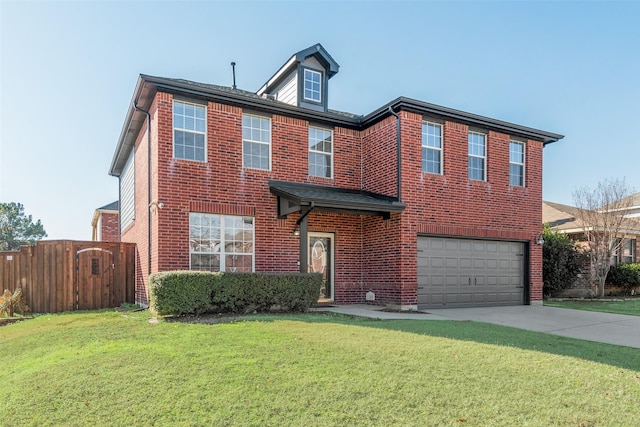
629, 306
109, 368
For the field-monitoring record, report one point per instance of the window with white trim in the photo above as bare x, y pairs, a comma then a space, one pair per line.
477, 156
626, 251
431, 148
312, 85
221, 242
189, 131
320, 152
516, 163
256, 142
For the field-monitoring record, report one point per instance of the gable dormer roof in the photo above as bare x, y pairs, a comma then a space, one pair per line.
331, 67
303, 81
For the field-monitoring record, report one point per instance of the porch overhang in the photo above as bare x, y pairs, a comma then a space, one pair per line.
295, 197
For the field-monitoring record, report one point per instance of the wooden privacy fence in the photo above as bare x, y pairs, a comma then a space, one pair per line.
62, 275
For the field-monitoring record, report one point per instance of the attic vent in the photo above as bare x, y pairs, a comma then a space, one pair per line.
271, 96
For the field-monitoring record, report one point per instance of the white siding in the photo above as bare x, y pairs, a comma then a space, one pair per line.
127, 193
288, 90
313, 63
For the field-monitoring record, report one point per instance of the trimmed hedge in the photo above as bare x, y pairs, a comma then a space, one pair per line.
625, 275
181, 292
197, 292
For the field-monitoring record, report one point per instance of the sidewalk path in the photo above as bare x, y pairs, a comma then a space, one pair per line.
608, 328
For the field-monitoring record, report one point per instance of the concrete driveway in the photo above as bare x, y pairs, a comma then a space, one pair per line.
587, 325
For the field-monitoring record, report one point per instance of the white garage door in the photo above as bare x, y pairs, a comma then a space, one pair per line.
469, 273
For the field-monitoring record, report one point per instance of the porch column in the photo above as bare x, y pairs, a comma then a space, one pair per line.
304, 247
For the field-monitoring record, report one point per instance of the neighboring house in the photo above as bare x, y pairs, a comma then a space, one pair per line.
565, 219
444, 213
633, 209
104, 225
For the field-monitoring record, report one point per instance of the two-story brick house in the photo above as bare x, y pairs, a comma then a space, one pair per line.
416, 204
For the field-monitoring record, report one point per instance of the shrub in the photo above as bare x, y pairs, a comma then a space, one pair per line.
181, 292
562, 261
248, 292
625, 275
190, 292
11, 304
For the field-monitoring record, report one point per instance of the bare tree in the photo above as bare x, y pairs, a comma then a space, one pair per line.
601, 213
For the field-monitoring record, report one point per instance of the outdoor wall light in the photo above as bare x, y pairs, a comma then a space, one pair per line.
539, 240
296, 231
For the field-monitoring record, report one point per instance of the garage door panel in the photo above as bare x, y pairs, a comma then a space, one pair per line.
463, 298
504, 248
452, 262
462, 246
452, 280
437, 280
479, 263
465, 263
436, 262
463, 273
450, 246
435, 244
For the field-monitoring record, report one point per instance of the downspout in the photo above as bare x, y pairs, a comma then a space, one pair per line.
120, 208
135, 106
398, 139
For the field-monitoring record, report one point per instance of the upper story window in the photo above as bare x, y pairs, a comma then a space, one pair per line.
189, 125
221, 242
516, 163
256, 142
312, 85
477, 156
320, 152
431, 148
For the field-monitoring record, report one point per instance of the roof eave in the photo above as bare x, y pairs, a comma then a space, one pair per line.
142, 97
425, 108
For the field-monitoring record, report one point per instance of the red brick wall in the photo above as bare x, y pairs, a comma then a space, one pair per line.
109, 228
451, 204
379, 155
370, 253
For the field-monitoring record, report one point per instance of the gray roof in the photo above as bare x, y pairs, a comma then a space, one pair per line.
335, 198
113, 206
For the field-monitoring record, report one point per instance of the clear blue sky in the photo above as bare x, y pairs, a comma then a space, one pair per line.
68, 71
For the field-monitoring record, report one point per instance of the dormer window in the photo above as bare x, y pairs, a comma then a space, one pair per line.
303, 81
312, 85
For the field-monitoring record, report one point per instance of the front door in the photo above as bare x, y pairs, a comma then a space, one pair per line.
321, 261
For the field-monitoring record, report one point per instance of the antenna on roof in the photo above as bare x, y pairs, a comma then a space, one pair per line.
233, 72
